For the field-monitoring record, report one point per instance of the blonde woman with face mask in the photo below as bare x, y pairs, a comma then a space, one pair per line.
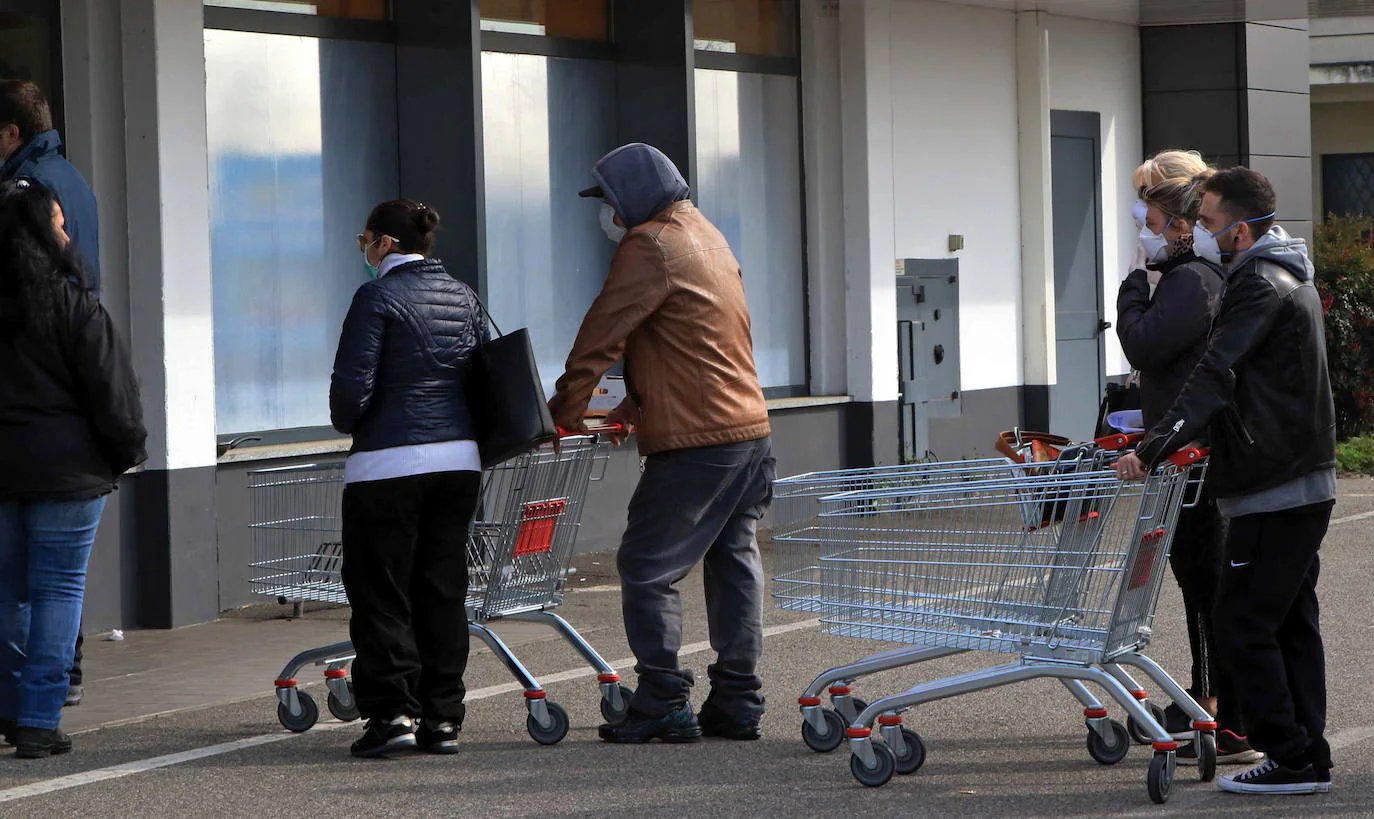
1171, 164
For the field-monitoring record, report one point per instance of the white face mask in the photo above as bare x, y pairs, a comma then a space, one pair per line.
1138, 211
1152, 244
1205, 244
613, 231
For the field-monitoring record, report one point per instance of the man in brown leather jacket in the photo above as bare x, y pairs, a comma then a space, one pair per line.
673, 307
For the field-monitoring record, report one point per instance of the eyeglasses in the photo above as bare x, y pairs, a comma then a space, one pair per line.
364, 244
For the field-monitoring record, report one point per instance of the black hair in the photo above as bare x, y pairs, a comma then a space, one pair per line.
34, 265
412, 224
23, 104
1245, 195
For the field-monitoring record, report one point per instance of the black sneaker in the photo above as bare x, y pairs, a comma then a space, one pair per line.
437, 736
1176, 721
1323, 779
40, 743
716, 723
675, 726
1231, 750
385, 738
1273, 777
75, 693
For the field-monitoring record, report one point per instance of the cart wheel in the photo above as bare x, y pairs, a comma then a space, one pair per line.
1161, 776
1109, 754
1206, 756
885, 764
1138, 731
911, 760
831, 739
305, 720
552, 734
341, 712
610, 713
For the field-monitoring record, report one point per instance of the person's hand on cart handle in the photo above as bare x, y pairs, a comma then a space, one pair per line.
1130, 468
626, 416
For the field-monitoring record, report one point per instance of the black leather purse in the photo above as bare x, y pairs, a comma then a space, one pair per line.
506, 397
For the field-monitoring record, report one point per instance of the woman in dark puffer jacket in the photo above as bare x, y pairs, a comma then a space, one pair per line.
412, 482
1164, 336
70, 424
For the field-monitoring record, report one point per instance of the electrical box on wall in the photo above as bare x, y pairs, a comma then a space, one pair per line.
927, 349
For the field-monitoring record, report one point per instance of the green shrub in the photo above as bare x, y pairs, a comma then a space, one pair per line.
1356, 455
1344, 257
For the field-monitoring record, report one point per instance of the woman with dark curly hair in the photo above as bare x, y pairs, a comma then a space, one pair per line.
70, 424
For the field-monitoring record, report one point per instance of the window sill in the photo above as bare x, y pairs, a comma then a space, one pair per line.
335, 446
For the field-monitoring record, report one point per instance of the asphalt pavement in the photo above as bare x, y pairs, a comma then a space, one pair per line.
1015, 751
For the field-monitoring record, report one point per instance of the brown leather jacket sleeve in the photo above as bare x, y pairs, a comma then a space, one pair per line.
636, 287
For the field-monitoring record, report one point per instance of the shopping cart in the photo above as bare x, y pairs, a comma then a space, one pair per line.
797, 581
519, 550
1061, 566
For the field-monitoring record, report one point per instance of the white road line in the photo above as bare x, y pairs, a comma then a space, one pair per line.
77, 780
1352, 518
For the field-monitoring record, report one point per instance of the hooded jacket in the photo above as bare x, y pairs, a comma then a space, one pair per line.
39, 159
673, 306
1262, 389
1165, 334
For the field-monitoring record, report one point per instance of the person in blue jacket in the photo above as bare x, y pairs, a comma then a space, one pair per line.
31, 149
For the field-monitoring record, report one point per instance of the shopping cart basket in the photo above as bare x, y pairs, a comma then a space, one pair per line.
519, 551
957, 567
799, 547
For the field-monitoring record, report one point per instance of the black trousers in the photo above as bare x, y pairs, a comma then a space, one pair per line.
1196, 558
75, 676
405, 570
1269, 633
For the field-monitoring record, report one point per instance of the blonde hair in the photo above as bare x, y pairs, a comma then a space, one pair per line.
1171, 164
1180, 196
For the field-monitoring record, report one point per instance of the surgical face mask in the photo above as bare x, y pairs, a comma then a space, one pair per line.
613, 231
1205, 245
1152, 244
1232, 252
372, 270
1138, 211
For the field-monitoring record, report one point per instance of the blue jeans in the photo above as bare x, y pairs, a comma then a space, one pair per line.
44, 548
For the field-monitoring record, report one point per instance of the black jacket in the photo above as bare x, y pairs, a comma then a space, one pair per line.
39, 159
70, 417
404, 354
1164, 337
1261, 390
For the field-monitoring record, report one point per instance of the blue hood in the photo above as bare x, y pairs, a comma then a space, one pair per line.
639, 182
1278, 247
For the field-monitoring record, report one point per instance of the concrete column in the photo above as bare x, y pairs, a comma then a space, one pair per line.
1238, 92
170, 308
825, 218
1037, 226
656, 79
869, 238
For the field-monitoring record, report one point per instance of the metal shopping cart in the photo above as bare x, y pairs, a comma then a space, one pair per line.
797, 583
1061, 566
519, 551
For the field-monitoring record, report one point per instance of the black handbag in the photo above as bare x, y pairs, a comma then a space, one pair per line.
506, 397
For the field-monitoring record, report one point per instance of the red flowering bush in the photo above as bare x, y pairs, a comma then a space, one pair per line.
1345, 278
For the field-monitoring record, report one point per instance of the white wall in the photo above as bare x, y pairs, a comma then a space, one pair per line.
954, 167
1095, 66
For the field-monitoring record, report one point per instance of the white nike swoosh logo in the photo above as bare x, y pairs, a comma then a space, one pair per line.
1236, 565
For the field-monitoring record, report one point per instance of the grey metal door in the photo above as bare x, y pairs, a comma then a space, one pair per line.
1075, 156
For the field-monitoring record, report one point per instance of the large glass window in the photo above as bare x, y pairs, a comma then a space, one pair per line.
302, 143
749, 184
28, 52
574, 19
545, 123
758, 27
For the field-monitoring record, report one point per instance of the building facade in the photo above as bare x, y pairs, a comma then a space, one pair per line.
930, 200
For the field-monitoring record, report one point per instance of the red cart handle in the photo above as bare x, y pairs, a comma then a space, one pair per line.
1119, 441
1186, 457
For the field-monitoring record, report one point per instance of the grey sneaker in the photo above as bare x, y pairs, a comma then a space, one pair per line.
75, 693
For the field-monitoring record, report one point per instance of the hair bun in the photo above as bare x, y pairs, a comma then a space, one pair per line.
426, 218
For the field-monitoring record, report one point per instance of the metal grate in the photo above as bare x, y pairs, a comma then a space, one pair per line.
1348, 184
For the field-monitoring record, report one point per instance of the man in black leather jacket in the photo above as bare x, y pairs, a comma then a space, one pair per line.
1263, 395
